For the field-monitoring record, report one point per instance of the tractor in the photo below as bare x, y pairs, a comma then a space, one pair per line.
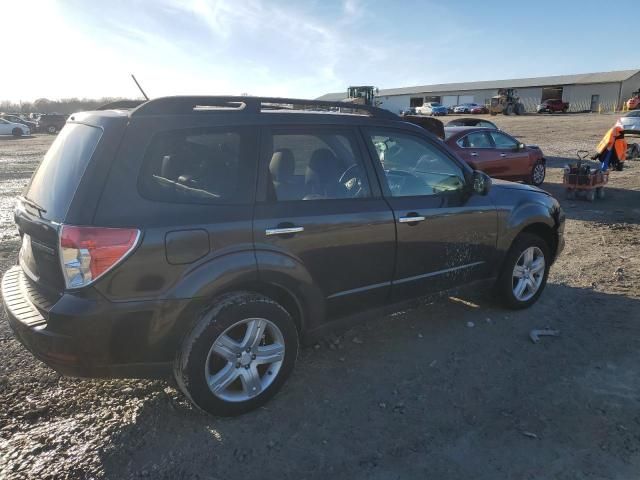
363, 95
506, 102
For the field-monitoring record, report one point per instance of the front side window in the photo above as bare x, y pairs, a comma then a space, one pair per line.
503, 141
197, 166
315, 165
413, 166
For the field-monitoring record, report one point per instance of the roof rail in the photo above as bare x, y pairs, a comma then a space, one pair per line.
121, 104
181, 105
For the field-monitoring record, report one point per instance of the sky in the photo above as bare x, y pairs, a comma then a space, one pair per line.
86, 48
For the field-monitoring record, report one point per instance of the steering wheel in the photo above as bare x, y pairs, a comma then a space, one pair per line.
352, 180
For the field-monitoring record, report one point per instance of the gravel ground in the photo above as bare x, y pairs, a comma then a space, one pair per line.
451, 389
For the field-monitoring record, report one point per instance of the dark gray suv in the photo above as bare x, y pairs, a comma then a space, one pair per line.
207, 236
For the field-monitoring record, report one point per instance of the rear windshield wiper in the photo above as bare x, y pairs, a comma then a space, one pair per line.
33, 204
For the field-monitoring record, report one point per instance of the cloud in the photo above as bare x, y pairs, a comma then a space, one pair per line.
272, 47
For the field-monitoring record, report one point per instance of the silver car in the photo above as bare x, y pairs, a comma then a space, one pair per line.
630, 120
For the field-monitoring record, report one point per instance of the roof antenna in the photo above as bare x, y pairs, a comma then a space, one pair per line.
143, 94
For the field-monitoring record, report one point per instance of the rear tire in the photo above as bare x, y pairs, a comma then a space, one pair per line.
508, 110
16, 132
523, 259
519, 109
590, 195
600, 193
232, 351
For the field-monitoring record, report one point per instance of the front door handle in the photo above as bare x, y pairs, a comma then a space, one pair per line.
283, 231
412, 219
503, 155
474, 154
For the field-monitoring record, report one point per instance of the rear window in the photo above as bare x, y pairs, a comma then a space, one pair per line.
198, 166
55, 182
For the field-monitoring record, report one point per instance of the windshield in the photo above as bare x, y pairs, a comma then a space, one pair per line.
54, 184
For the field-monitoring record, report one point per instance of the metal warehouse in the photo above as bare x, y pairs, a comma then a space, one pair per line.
604, 91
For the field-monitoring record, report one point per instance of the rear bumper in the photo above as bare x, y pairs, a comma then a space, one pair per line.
92, 337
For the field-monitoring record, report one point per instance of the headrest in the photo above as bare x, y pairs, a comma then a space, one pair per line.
282, 164
323, 167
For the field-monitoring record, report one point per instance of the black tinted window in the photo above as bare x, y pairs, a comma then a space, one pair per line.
197, 166
56, 180
315, 166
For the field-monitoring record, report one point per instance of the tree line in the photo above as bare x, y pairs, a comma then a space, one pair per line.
65, 105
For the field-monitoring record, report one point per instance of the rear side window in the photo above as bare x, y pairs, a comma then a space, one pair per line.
55, 182
198, 166
315, 165
476, 140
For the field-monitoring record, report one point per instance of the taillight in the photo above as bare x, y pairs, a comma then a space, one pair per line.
86, 253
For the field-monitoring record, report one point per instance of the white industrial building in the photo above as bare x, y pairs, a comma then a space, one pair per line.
605, 91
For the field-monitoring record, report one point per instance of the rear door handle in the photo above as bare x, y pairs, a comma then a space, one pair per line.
474, 154
503, 155
412, 219
283, 231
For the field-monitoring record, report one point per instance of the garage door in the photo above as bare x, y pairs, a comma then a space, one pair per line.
450, 100
466, 99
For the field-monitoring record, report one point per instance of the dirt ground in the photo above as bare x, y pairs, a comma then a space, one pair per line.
449, 390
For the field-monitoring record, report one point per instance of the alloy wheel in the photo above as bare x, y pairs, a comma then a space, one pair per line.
528, 274
538, 173
245, 359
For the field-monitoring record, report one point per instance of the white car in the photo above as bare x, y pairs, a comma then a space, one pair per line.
431, 108
630, 120
15, 129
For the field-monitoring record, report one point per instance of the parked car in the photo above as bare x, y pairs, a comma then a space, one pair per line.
465, 107
479, 109
16, 119
630, 120
13, 128
471, 122
430, 124
497, 154
408, 111
553, 105
51, 122
432, 108
205, 237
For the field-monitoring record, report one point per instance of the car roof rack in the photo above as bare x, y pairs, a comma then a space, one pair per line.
121, 105
185, 105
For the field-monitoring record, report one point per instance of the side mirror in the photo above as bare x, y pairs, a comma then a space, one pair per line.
481, 182
519, 147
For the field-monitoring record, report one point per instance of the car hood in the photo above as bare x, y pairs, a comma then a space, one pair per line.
506, 185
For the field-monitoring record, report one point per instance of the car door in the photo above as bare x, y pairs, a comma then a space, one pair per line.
321, 207
446, 235
513, 160
5, 127
477, 149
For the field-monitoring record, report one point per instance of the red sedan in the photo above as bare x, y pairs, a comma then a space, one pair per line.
497, 154
479, 109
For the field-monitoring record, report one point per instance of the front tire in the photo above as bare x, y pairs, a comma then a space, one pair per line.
238, 355
16, 132
51, 129
524, 272
538, 174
